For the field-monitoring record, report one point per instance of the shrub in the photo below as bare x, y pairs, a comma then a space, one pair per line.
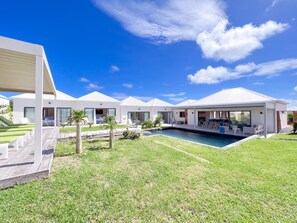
158, 121
131, 135
147, 124
295, 127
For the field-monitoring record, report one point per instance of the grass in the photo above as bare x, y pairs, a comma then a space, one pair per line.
11, 133
87, 128
6, 121
145, 181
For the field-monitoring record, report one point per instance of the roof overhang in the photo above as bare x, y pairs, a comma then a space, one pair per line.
18, 67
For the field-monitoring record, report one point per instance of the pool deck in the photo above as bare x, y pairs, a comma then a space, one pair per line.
197, 128
20, 168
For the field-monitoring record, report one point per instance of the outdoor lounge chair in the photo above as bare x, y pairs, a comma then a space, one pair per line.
255, 130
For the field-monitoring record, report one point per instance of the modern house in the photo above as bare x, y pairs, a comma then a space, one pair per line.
134, 110
54, 111
97, 105
159, 107
4, 102
241, 106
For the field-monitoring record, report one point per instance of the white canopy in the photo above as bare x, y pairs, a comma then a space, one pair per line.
96, 96
60, 96
159, 103
130, 101
18, 67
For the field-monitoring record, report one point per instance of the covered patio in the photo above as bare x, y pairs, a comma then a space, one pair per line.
237, 111
24, 68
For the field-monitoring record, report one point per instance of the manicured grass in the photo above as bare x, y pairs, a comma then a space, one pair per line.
87, 128
288, 136
147, 181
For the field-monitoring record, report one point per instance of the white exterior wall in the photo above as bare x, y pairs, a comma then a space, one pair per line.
155, 110
19, 105
176, 115
81, 105
4, 102
125, 109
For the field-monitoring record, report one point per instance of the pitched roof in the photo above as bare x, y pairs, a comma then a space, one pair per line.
186, 103
60, 96
97, 96
233, 96
3, 97
158, 103
130, 101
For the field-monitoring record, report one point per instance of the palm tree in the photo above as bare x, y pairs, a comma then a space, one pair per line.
111, 125
78, 117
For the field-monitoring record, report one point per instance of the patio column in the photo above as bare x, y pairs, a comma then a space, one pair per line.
265, 120
195, 118
38, 109
55, 111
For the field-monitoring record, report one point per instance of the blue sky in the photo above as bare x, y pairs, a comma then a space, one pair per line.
170, 49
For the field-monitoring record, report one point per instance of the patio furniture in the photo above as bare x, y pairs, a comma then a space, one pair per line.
255, 130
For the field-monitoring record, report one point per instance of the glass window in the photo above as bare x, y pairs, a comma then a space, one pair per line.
29, 113
90, 114
242, 118
182, 114
62, 115
111, 111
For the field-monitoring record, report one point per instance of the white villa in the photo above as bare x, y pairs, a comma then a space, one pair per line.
238, 106
4, 102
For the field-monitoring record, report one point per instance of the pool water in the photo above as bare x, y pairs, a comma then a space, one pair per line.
210, 139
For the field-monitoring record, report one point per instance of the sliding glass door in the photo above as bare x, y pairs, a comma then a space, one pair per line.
62, 115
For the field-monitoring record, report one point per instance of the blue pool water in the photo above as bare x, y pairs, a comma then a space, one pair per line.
210, 139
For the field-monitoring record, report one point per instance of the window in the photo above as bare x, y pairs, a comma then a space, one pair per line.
182, 114
29, 113
242, 118
221, 114
227, 114
111, 111
62, 115
90, 114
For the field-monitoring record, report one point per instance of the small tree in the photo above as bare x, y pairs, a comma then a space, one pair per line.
111, 125
78, 117
295, 127
158, 121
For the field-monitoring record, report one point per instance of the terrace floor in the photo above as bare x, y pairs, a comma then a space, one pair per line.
198, 128
20, 168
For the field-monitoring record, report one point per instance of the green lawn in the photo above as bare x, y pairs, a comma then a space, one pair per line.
146, 180
87, 128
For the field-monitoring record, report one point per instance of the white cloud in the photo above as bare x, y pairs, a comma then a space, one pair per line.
258, 83
165, 21
292, 106
237, 42
84, 80
273, 3
127, 85
295, 89
92, 86
214, 75
203, 21
114, 68
178, 99
173, 95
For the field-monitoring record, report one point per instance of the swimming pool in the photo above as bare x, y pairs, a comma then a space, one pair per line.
210, 139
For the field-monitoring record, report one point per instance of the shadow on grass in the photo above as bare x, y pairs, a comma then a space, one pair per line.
97, 148
65, 154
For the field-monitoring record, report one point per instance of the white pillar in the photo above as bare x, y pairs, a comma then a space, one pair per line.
195, 119
275, 120
55, 111
265, 120
38, 109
